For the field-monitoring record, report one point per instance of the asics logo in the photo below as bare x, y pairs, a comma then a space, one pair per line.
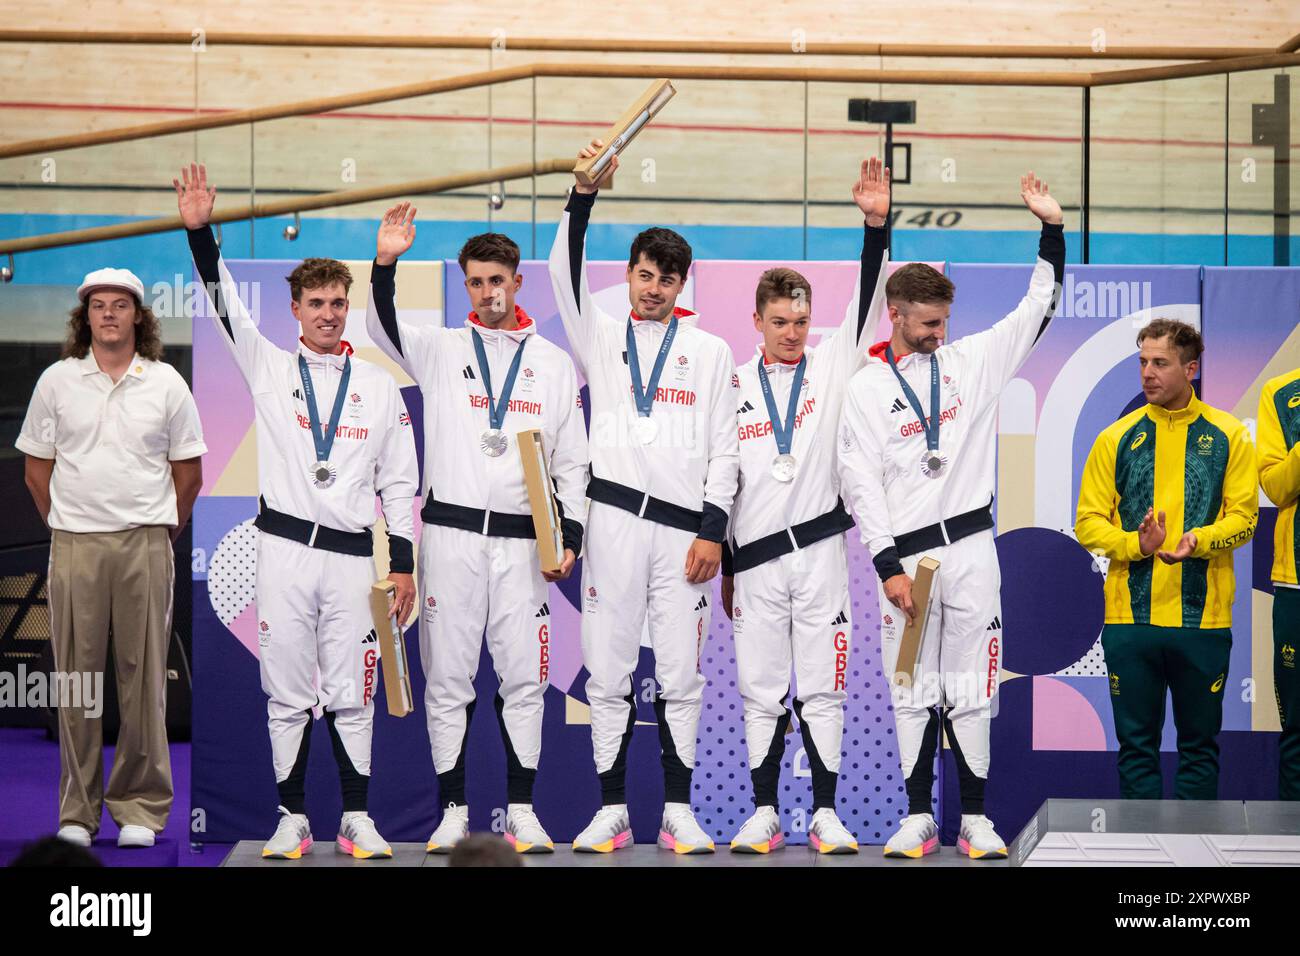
1138, 441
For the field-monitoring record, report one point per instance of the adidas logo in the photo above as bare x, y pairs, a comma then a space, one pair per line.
704, 602
747, 407
996, 625
625, 356
469, 372
841, 619
297, 393
370, 638
898, 406
544, 612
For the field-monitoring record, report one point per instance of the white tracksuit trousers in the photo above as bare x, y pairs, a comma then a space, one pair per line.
471, 583
313, 612
957, 669
794, 611
634, 574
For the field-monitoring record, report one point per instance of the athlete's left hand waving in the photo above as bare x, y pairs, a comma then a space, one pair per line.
871, 191
396, 233
194, 197
703, 560
1040, 202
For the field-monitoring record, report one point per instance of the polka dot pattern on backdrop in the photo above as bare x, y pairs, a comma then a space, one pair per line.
232, 572
870, 797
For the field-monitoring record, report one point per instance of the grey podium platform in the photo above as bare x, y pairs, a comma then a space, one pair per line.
1163, 833
249, 853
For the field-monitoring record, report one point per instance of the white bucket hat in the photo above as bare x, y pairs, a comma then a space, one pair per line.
111, 279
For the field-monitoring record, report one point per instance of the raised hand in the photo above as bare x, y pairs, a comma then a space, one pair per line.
1151, 532
1040, 202
606, 181
396, 233
871, 191
1186, 545
194, 197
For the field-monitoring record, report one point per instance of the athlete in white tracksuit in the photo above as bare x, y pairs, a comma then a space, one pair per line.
479, 564
658, 501
909, 506
791, 595
314, 551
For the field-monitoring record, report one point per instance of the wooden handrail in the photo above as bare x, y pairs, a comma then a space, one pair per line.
1291, 45
325, 104
574, 70
1183, 70
586, 45
281, 207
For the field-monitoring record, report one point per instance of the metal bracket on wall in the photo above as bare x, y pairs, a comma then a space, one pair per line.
1270, 125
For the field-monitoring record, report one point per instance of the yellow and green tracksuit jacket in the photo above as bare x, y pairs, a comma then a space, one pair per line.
1277, 431
1197, 465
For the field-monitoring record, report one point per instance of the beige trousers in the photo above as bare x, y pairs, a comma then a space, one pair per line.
123, 579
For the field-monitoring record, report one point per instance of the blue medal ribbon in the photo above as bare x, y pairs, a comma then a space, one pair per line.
784, 434
326, 442
497, 409
931, 426
645, 398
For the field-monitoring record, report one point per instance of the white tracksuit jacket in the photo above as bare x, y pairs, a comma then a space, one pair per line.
472, 582
882, 445
312, 604
634, 574
794, 608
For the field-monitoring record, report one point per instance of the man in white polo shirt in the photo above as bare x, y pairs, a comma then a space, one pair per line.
113, 446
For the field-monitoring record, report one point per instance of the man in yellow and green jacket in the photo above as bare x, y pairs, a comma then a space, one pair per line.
1168, 493
1278, 432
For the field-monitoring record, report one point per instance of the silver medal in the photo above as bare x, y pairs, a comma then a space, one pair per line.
323, 474
494, 442
647, 429
783, 467
933, 464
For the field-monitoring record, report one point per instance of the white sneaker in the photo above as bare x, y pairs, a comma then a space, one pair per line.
608, 830
978, 839
292, 838
680, 833
761, 833
828, 835
74, 833
453, 828
916, 836
524, 831
359, 839
134, 835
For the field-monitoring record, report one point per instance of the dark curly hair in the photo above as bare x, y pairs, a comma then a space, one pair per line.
148, 333
665, 248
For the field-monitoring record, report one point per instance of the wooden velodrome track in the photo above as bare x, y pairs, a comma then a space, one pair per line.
725, 152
